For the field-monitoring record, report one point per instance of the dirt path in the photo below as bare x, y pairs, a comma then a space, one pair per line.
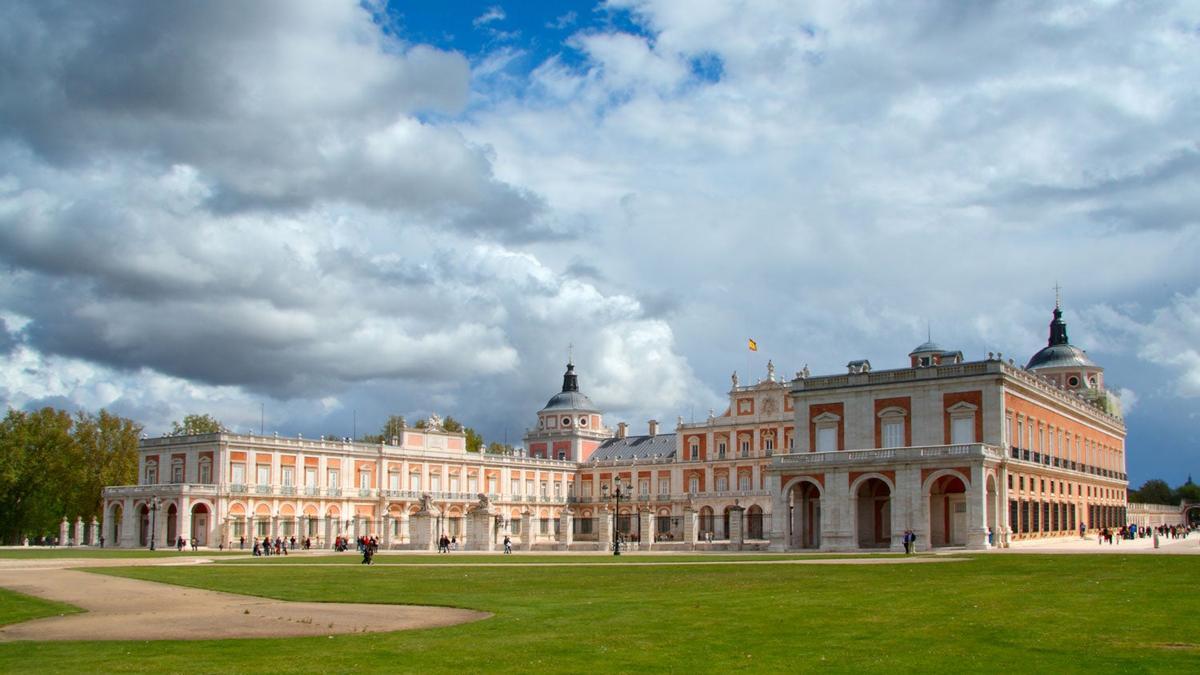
130, 609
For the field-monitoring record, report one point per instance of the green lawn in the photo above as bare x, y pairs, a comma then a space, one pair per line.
16, 607
1074, 613
352, 558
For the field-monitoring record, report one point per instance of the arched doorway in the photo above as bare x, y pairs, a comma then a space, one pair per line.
754, 522
707, 524
948, 511
874, 518
724, 534
116, 513
144, 526
804, 507
172, 525
201, 519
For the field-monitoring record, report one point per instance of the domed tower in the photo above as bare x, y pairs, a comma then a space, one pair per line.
570, 426
1063, 363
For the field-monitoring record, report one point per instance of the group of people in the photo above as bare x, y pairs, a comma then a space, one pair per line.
180, 542
910, 542
447, 544
368, 546
279, 547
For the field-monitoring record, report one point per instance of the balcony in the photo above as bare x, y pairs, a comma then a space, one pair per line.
886, 455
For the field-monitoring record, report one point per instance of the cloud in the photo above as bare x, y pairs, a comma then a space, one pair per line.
563, 21
1168, 338
491, 15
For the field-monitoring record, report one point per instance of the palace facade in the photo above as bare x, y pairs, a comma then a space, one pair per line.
963, 453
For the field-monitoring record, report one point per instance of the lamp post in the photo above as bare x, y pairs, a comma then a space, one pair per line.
154, 504
617, 493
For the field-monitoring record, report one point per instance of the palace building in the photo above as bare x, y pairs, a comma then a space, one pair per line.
976, 454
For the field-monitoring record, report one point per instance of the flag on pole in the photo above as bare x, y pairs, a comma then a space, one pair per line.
753, 345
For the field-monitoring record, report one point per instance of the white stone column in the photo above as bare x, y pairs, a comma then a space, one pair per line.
735, 527
94, 539
977, 508
905, 507
566, 531
78, 539
128, 534
403, 537
528, 531
778, 532
837, 531
1005, 533
185, 521
646, 528
690, 527
64, 533
604, 529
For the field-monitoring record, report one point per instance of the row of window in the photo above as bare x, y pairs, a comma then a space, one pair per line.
1033, 434
1069, 489
1026, 517
744, 449
177, 471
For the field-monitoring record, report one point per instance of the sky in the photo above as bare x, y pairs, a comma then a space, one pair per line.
310, 215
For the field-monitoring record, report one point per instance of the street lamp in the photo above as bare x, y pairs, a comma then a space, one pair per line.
154, 504
617, 493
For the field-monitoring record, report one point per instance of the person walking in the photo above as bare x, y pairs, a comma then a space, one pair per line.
507, 545
242, 543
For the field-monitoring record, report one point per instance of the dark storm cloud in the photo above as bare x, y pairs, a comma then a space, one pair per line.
278, 105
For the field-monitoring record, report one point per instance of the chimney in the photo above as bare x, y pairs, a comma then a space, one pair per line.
653, 424
622, 430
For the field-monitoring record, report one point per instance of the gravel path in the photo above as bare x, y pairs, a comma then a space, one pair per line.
130, 609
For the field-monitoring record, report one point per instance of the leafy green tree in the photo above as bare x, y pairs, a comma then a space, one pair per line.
196, 424
497, 448
37, 468
422, 424
1154, 491
452, 425
392, 428
106, 446
1188, 491
474, 440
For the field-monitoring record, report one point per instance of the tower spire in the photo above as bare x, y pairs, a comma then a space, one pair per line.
1057, 296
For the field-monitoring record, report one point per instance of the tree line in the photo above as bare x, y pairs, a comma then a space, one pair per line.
55, 465
1156, 491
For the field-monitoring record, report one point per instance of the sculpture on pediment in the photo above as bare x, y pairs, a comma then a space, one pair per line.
435, 422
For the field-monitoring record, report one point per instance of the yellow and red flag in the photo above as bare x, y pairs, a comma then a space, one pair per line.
753, 345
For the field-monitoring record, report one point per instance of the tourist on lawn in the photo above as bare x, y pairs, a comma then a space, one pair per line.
507, 545
453, 543
293, 541
257, 550
242, 543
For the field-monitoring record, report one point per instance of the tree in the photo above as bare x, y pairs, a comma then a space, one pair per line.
36, 468
392, 428
452, 425
196, 424
1154, 491
497, 448
474, 440
107, 449
1189, 491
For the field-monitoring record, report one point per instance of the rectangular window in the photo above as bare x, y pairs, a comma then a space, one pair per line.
721, 450
543, 486
454, 483
364, 479
176, 473
745, 448
529, 488
722, 483
962, 430
288, 474
827, 439
694, 484
744, 481
769, 443
205, 472
435, 483
644, 486
694, 451
515, 486
333, 479
493, 485
264, 474
394, 481
472, 484
238, 472
310, 477
414, 482
893, 434
664, 486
